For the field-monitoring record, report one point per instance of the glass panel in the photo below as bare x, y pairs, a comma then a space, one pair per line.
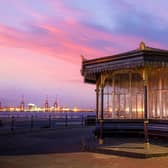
119, 100
126, 98
133, 106
157, 104
164, 77
110, 107
136, 83
152, 104
117, 106
108, 100
139, 106
158, 86
107, 113
121, 97
124, 83
137, 95
165, 104
153, 79
122, 108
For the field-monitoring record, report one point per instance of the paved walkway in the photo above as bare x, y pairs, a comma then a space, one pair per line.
134, 147
44, 141
62, 148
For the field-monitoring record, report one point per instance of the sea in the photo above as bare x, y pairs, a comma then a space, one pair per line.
46, 114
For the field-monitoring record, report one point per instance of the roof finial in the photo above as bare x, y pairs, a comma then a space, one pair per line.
142, 45
83, 58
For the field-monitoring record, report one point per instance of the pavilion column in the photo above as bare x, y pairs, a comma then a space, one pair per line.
101, 136
146, 121
160, 108
130, 95
102, 103
113, 96
97, 101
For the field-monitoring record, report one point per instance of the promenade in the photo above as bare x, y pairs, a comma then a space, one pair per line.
64, 148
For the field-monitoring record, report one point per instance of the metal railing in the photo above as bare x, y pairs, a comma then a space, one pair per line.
28, 121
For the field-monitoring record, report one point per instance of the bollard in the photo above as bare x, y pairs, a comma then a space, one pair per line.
12, 123
49, 121
31, 122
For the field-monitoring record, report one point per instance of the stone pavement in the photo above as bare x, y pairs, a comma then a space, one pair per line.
63, 148
133, 147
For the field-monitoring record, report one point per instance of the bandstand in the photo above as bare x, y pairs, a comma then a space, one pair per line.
130, 87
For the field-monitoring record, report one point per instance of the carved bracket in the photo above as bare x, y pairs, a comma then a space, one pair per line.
103, 78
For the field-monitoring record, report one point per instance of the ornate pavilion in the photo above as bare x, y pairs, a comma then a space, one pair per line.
130, 85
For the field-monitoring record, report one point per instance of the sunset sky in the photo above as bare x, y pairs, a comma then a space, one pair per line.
41, 42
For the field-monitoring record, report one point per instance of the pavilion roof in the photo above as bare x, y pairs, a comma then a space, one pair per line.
138, 58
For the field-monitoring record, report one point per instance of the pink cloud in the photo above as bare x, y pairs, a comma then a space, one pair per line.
54, 43
57, 42
68, 40
67, 12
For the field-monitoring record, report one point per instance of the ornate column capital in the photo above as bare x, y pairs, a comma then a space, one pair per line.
104, 76
97, 90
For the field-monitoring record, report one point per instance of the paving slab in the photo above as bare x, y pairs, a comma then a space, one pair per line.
65, 148
132, 147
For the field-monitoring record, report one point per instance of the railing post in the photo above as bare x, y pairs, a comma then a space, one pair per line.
82, 120
12, 123
49, 120
66, 120
32, 122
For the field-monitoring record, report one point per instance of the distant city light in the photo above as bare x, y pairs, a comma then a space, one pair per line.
31, 107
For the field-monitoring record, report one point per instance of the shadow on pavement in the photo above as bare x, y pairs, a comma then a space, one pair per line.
65, 140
